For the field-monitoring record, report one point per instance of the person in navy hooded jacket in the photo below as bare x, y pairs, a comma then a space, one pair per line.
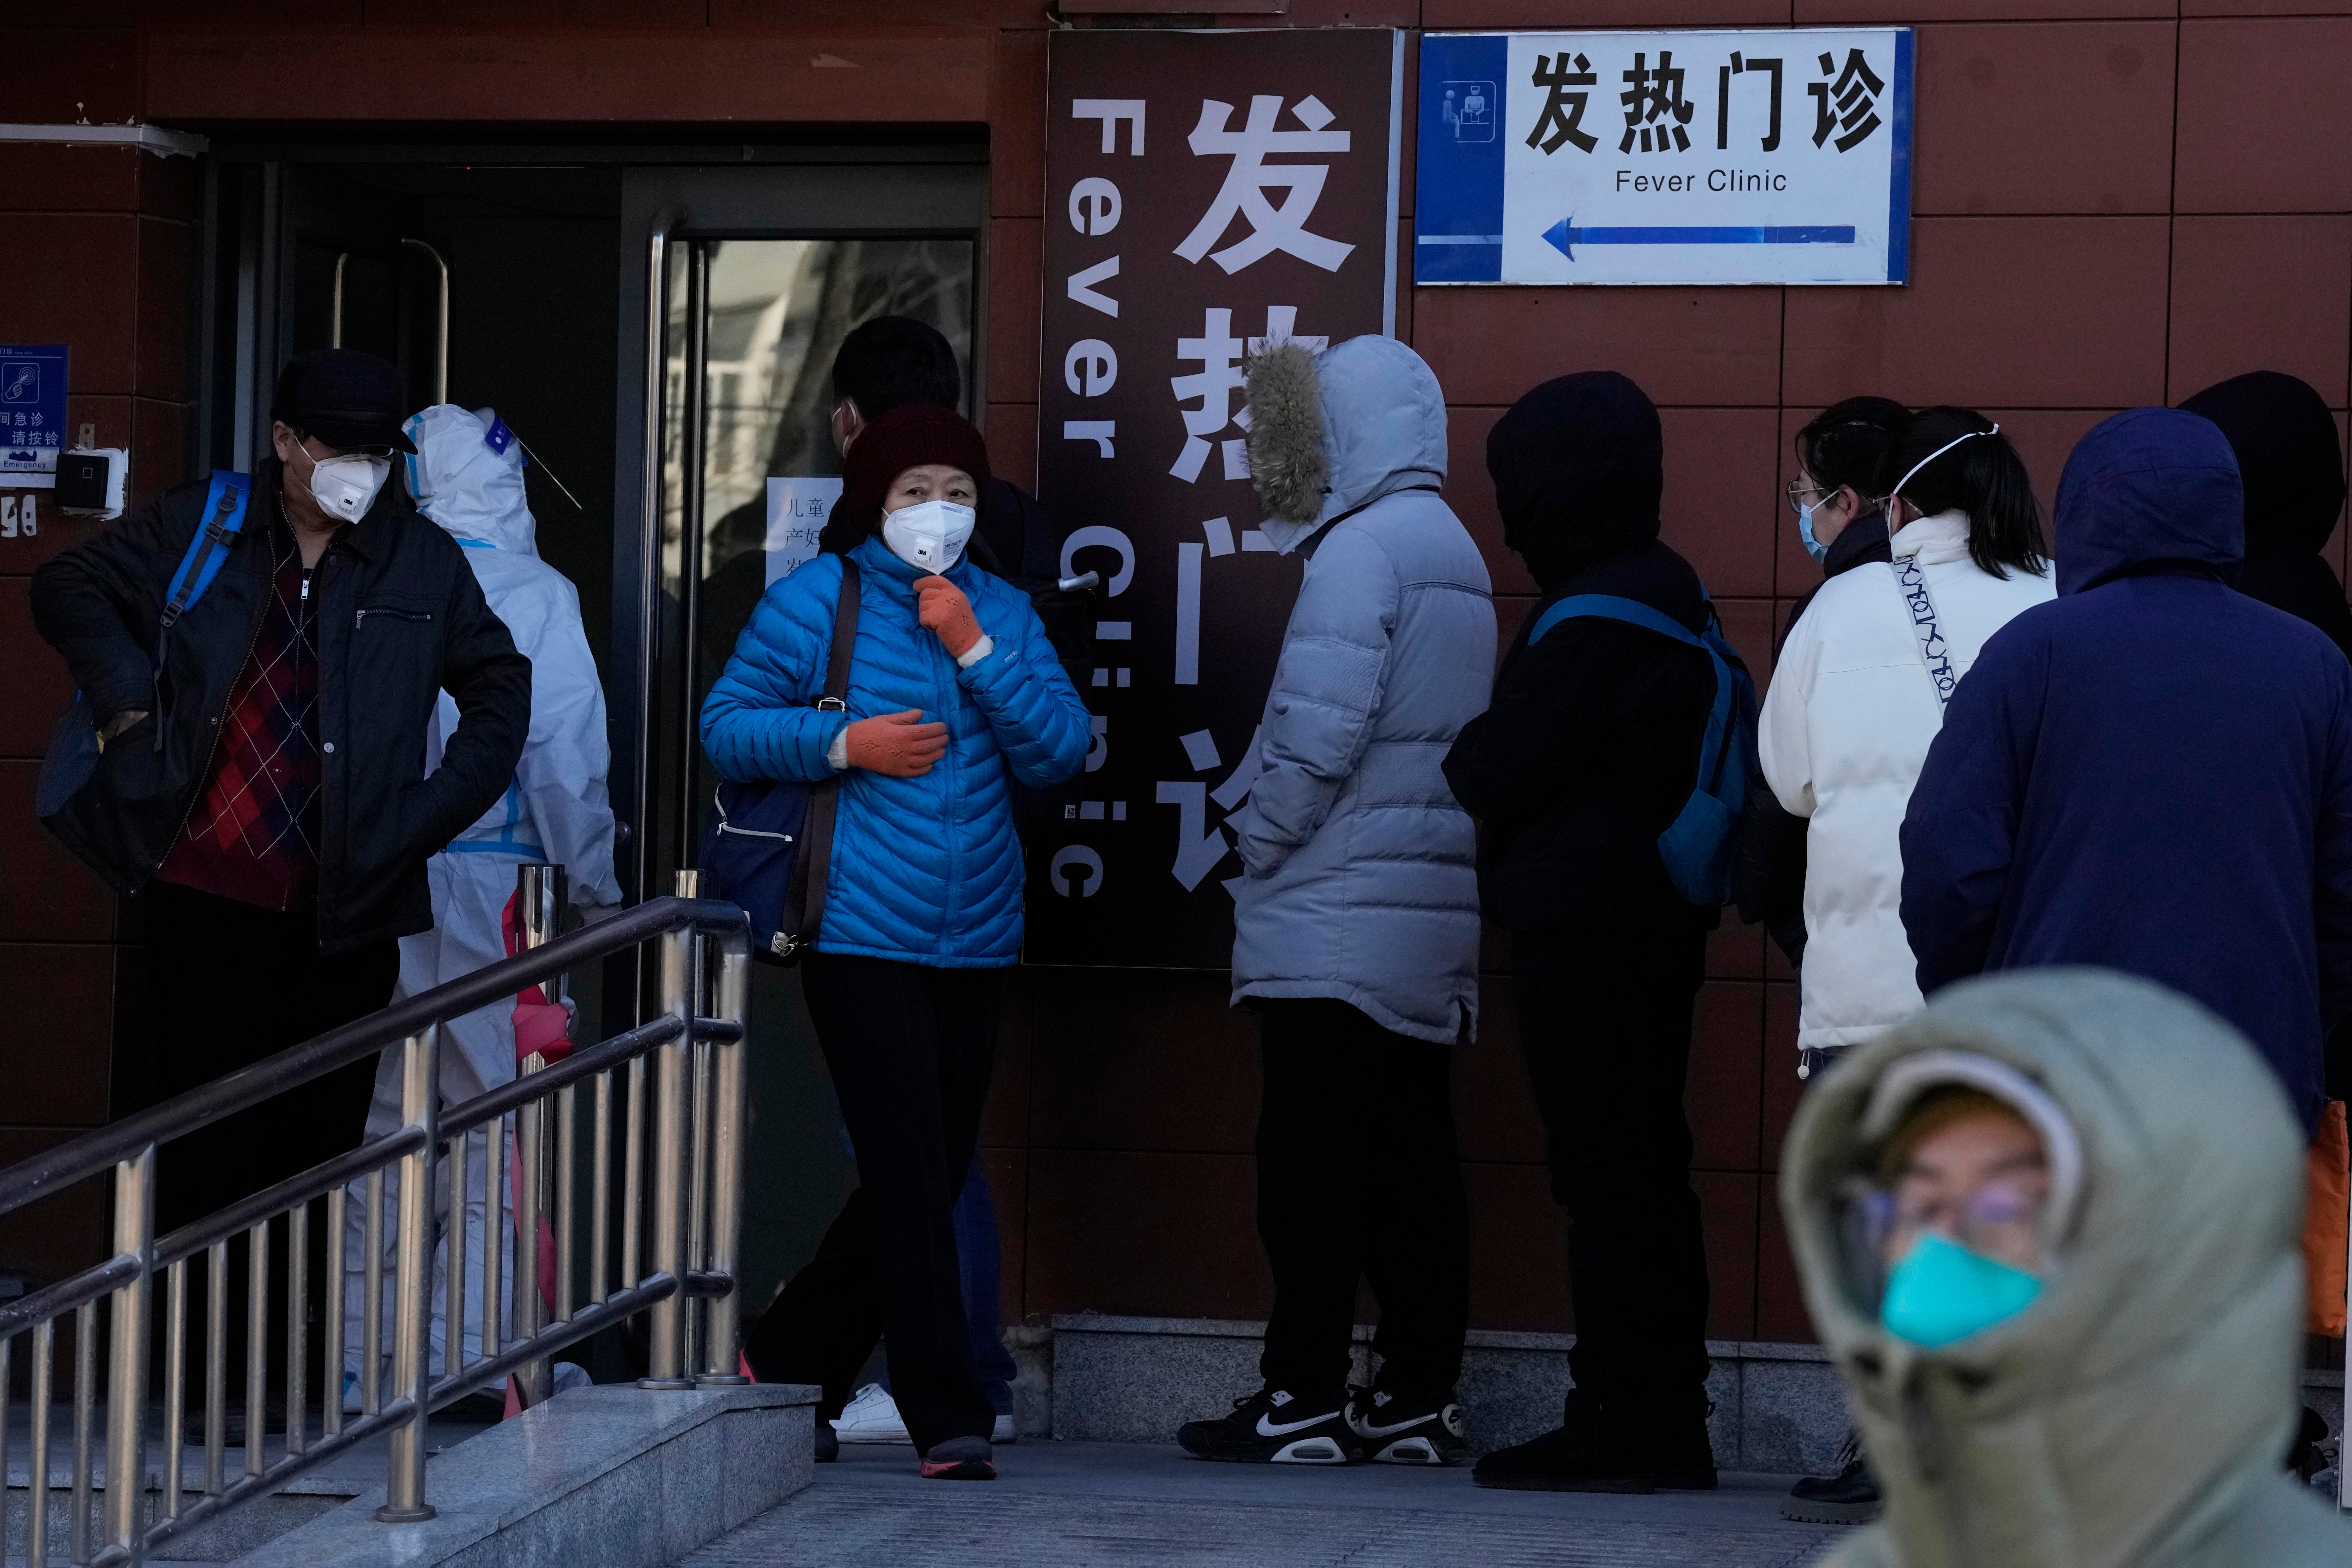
2152, 771
954, 694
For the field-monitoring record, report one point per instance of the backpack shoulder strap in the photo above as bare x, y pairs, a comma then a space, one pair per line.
1632, 611
1611, 607
227, 502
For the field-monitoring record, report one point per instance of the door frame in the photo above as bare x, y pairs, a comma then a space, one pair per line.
858, 197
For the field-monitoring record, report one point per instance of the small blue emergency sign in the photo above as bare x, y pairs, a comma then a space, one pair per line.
32, 411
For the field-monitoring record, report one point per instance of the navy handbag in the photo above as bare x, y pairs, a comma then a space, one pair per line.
769, 845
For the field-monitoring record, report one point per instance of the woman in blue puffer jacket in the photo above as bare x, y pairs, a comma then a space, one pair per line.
954, 695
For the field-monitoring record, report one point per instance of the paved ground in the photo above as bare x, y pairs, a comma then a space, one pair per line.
1076, 1505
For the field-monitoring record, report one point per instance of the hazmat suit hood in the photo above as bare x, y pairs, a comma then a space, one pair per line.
2135, 1412
1578, 465
2290, 459
2149, 490
1332, 433
467, 476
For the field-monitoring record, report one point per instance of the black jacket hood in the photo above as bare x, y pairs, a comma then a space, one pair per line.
1578, 465
2289, 458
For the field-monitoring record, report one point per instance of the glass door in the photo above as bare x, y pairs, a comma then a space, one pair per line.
749, 280
749, 468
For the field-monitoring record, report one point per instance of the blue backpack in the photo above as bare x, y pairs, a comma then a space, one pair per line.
1701, 844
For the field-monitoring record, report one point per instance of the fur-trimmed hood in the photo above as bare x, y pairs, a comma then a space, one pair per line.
1357, 422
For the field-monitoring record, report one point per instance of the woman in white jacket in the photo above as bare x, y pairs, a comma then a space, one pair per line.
1859, 693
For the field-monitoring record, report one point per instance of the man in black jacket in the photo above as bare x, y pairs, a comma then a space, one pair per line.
262, 784
1589, 751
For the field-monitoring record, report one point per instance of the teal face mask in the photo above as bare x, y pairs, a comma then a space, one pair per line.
1942, 1292
1813, 547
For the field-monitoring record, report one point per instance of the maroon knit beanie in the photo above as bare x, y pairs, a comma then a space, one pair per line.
907, 437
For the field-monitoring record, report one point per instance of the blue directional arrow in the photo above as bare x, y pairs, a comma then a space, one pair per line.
1564, 238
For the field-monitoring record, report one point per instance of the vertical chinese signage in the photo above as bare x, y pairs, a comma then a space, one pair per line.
1683, 157
1205, 193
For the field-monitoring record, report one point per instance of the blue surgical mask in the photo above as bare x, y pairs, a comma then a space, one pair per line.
1813, 547
1942, 1292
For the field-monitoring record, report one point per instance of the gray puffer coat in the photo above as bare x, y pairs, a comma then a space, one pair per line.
1362, 880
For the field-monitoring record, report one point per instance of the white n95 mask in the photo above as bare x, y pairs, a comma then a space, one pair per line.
930, 535
345, 487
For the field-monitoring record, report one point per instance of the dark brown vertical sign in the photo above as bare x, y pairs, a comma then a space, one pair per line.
1205, 192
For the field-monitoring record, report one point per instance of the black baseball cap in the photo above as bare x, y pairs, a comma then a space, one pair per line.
345, 398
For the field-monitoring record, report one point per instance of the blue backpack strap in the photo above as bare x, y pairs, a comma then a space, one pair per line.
226, 504
1632, 611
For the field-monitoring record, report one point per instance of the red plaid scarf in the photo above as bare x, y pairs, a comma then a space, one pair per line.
253, 833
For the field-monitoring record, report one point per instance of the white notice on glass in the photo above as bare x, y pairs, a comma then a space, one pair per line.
796, 512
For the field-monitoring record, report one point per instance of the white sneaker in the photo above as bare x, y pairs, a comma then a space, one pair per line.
1005, 1431
871, 1416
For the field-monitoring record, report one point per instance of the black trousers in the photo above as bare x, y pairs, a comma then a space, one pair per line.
1358, 1174
910, 1049
1605, 1023
228, 984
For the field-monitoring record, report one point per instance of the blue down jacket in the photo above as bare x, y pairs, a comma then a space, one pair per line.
924, 870
2151, 772
1363, 880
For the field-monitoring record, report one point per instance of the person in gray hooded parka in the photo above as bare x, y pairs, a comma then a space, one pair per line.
1356, 924
2127, 1407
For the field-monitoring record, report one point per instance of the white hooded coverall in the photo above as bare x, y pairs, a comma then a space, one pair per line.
467, 476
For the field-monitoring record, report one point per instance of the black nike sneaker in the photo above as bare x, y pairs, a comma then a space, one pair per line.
1407, 1432
1272, 1427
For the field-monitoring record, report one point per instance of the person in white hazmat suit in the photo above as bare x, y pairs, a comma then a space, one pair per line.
467, 476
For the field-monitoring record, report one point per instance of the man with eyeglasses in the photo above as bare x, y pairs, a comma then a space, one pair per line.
262, 782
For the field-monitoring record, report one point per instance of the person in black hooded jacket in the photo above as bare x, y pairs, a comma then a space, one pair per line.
2292, 465
1589, 751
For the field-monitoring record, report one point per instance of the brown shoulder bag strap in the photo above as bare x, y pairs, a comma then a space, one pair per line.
806, 904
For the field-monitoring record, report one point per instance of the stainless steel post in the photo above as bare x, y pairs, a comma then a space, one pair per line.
216, 1365
453, 1309
540, 892
372, 1277
698, 1138
567, 1148
85, 1392
721, 1354
297, 1325
257, 1346
420, 1107
175, 1383
600, 1193
37, 1495
664, 1352
331, 1371
633, 1176
126, 1371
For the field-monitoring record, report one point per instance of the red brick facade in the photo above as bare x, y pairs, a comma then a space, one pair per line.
2116, 201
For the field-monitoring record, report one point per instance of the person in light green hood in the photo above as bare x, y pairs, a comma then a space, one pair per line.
2077, 1197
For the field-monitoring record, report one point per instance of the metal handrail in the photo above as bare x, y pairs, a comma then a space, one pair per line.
676, 1146
107, 1146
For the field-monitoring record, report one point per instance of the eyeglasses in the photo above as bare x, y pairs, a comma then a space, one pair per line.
1800, 489
2001, 1210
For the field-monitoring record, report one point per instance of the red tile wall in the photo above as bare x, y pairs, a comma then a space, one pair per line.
97, 241
2117, 201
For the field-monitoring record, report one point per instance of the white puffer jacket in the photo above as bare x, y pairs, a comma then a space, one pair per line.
1846, 728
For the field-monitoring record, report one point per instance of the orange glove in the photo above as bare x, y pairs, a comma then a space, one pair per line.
899, 744
948, 614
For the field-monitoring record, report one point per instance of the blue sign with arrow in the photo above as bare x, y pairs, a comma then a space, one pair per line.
1713, 156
